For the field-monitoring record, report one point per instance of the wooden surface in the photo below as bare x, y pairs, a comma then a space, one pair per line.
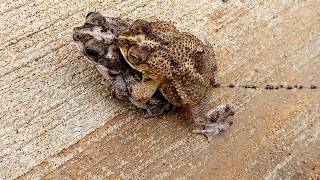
57, 120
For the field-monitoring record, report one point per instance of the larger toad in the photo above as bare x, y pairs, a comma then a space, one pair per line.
179, 65
96, 41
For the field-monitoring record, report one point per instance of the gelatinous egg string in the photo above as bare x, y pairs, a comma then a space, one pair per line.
270, 87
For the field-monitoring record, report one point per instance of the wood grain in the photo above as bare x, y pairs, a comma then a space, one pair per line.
57, 121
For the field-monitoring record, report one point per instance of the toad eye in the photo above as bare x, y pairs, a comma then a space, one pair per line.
134, 57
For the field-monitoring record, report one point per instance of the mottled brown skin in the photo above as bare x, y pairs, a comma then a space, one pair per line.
178, 64
96, 41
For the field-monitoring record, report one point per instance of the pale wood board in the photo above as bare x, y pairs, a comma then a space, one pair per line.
57, 121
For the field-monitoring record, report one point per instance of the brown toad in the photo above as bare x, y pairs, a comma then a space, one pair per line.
96, 41
179, 65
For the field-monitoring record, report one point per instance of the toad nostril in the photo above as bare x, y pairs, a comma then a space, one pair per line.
92, 52
76, 37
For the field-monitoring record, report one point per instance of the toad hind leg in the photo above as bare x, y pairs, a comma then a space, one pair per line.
216, 121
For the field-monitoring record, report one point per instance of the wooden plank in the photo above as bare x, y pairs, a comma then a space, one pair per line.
58, 121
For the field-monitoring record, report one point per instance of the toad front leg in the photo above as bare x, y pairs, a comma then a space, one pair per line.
215, 120
115, 84
143, 91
